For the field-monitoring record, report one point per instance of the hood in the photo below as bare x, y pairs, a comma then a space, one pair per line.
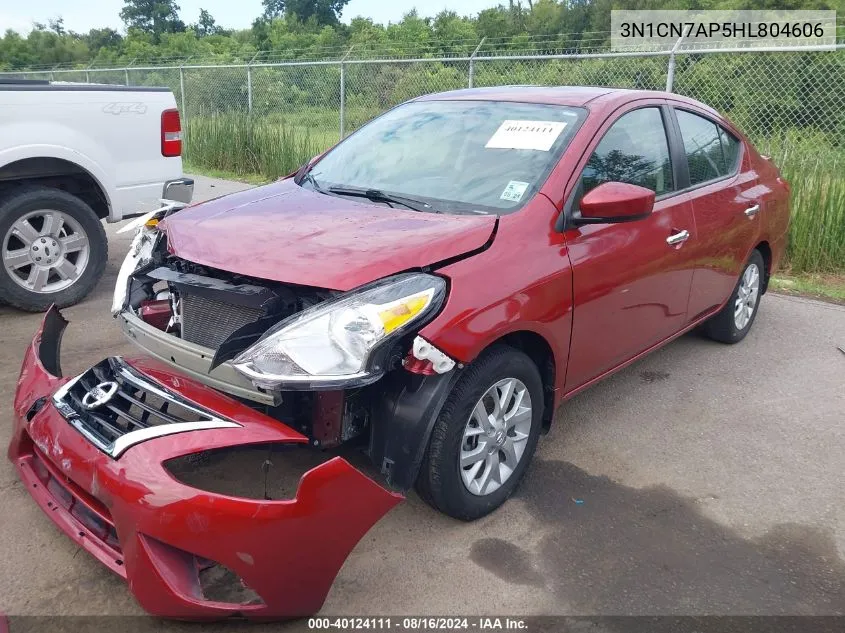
283, 232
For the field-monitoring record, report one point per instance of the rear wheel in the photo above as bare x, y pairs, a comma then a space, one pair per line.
485, 435
734, 321
53, 249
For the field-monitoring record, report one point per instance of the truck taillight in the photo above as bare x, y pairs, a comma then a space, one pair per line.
171, 133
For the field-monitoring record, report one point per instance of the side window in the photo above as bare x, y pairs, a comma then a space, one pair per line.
711, 151
634, 150
730, 148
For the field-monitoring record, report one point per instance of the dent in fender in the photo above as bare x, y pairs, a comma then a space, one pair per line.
287, 551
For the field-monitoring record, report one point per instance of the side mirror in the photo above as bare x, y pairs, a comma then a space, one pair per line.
615, 202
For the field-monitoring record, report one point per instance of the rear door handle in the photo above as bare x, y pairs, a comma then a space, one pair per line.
677, 238
752, 211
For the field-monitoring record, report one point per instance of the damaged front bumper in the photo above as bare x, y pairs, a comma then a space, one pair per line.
159, 533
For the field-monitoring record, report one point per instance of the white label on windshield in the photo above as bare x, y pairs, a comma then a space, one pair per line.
539, 135
514, 191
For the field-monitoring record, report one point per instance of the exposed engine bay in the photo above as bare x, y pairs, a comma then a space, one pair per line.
226, 313
198, 319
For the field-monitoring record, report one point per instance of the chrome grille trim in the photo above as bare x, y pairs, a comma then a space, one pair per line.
114, 429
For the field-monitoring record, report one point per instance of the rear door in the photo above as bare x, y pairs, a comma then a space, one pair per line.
726, 203
631, 281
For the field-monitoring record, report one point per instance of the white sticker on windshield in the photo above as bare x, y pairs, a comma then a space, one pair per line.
514, 191
539, 135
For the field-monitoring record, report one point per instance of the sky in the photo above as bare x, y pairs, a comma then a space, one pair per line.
82, 15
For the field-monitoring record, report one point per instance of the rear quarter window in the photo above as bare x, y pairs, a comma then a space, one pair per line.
730, 148
711, 151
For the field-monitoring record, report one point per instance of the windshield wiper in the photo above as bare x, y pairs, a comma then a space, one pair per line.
303, 174
377, 195
307, 177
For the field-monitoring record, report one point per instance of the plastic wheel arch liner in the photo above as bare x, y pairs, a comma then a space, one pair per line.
286, 551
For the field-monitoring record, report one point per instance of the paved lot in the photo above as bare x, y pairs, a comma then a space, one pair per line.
705, 479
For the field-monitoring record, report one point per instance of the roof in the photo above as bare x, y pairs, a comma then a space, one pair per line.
556, 95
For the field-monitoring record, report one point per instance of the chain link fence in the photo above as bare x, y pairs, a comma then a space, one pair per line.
266, 117
767, 94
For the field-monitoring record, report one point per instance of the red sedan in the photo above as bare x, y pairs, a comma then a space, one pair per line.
430, 290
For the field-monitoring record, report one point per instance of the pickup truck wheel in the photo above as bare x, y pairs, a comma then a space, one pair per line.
733, 322
485, 435
53, 248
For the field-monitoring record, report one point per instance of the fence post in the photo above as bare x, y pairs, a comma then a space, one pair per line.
670, 71
472, 62
249, 83
249, 89
126, 72
184, 109
343, 93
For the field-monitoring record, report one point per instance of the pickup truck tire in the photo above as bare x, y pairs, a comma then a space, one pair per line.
734, 321
66, 238
447, 480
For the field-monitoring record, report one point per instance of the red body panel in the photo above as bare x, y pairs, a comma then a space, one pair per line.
523, 282
286, 233
603, 295
287, 551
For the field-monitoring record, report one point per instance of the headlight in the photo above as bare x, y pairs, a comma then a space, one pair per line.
141, 251
335, 344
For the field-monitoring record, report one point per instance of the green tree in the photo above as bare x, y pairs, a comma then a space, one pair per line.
155, 17
325, 12
206, 25
57, 25
97, 39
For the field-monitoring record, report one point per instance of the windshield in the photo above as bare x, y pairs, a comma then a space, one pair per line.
459, 156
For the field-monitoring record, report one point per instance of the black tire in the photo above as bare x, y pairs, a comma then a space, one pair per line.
439, 481
23, 200
722, 326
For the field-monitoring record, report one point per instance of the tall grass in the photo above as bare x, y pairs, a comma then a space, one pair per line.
277, 144
243, 144
816, 175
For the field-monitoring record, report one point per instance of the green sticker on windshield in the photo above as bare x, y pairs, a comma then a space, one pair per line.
514, 191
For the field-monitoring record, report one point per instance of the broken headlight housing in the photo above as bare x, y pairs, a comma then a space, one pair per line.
337, 343
141, 251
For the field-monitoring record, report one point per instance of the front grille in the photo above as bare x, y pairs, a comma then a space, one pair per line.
209, 322
135, 410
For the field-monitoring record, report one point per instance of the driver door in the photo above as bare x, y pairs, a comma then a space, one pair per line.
631, 280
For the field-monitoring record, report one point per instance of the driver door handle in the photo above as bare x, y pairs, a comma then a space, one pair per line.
752, 211
678, 238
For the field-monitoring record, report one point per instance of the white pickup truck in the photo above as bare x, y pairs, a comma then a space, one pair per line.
72, 155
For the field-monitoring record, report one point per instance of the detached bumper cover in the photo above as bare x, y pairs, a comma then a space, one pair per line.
155, 532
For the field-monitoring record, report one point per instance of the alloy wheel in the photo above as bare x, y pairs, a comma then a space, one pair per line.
746, 297
45, 251
495, 436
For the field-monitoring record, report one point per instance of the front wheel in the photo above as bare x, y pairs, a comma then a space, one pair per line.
485, 435
734, 321
52, 246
